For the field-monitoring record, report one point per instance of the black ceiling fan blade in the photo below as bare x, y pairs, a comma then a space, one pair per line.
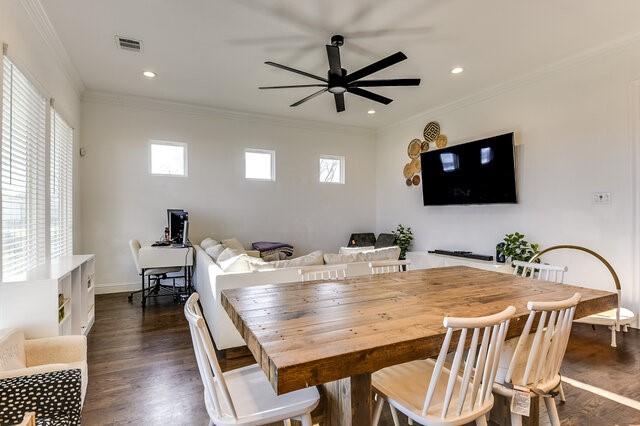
382, 83
339, 97
376, 66
284, 67
313, 95
369, 95
333, 53
291, 87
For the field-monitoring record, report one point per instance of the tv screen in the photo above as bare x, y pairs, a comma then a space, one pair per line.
480, 172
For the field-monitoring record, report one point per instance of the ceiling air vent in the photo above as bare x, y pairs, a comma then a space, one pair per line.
128, 43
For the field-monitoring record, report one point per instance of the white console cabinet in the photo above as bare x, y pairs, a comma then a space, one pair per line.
425, 260
54, 299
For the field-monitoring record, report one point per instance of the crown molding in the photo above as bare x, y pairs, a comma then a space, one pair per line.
154, 104
41, 20
523, 80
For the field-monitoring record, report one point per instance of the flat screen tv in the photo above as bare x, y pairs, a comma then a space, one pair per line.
479, 172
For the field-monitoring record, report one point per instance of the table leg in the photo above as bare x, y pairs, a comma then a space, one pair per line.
349, 401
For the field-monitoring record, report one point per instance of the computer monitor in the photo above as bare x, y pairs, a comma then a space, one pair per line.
176, 219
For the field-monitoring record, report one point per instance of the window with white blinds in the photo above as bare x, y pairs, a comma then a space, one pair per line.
61, 187
24, 112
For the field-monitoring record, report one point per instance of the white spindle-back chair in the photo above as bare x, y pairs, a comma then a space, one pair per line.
429, 393
387, 266
540, 271
242, 396
322, 272
535, 361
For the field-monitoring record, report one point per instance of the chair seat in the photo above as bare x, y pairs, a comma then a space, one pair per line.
405, 387
609, 317
161, 271
256, 402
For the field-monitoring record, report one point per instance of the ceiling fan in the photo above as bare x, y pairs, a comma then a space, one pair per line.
338, 81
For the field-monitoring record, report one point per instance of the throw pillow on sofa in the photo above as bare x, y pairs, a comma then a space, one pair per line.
240, 263
232, 243
339, 259
386, 253
350, 250
208, 242
12, 355
214, 251
311, 259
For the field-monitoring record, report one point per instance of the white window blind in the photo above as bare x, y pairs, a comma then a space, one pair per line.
23, 172
61, 182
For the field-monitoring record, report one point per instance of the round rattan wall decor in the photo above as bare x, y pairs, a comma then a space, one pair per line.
407, 171
441, 141
415, 180
415, 166
414, 148
431, 131
424, 147
409, 182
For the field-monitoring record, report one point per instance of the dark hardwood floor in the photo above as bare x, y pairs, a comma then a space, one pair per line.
142, 370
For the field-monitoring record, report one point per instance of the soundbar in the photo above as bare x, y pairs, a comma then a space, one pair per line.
465, 254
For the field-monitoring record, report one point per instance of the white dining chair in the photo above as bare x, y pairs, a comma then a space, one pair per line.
387, 266
430, 394
540, 271
614, 319
322, 272
242, 396
533, 362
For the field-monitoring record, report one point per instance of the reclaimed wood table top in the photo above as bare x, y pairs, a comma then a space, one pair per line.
304, 334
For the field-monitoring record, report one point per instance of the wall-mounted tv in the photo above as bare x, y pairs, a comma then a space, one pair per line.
479, 172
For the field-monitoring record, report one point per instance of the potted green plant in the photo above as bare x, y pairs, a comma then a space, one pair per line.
515, 247
404, 238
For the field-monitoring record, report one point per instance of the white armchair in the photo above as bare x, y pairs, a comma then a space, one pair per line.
20, 357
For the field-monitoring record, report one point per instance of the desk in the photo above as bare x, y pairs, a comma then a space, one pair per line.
166, 257
336, 333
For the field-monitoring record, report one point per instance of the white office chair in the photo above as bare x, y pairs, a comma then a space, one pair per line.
387, 266
151, 274
242, 396
540, 271
419, 391
322, 272
534, 360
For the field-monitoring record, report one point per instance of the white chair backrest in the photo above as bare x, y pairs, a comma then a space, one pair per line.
212, 377
387, 266
549, 343
482, 364
322, 272
540, 271
135, 246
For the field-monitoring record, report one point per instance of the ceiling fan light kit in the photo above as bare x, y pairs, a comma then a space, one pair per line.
339, 82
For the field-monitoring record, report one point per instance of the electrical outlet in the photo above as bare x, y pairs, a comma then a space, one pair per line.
601, 198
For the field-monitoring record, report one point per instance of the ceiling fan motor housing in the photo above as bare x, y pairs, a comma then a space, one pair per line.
336, 82
337, 40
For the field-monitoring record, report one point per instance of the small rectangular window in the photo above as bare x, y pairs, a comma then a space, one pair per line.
167, 158
259, 164
331, 169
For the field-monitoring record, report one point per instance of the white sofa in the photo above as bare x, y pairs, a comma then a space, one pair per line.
210, 280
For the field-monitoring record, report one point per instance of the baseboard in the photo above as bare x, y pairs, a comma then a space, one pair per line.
107, 288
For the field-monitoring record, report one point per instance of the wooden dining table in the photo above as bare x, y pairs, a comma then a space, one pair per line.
336, 333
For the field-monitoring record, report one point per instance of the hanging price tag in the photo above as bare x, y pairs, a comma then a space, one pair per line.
521, 401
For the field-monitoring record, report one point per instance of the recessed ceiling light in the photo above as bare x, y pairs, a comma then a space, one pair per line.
457, 70
371, 111
149, 74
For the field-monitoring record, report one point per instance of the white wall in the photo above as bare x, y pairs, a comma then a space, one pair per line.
573, 125
31, 46
120, 200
